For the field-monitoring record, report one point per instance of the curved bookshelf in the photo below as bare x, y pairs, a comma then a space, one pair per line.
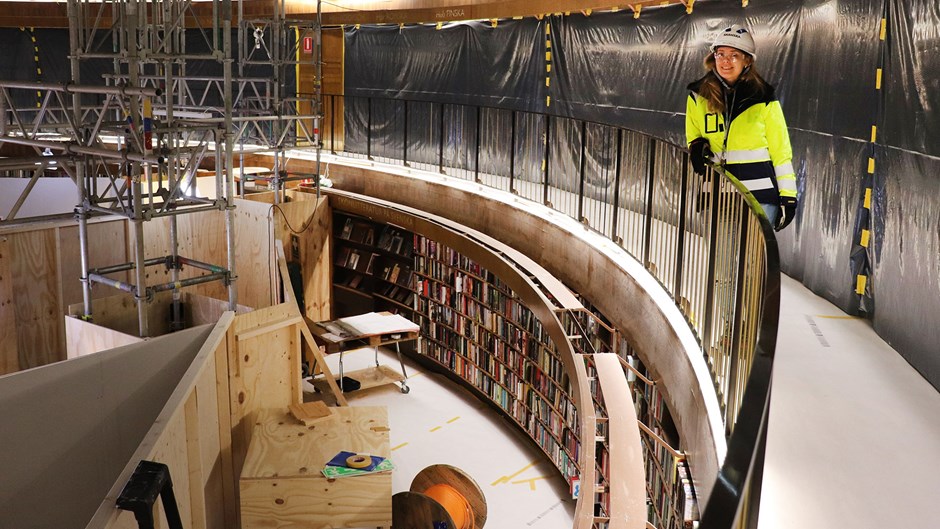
512, 336
491, 328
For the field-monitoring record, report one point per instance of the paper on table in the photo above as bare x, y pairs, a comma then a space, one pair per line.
374, 323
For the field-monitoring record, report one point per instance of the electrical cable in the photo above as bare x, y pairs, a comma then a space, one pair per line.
454, 503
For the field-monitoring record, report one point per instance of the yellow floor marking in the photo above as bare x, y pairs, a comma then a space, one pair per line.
530, 481
436, 428
399, 446
837, 317
505, 479
454, 419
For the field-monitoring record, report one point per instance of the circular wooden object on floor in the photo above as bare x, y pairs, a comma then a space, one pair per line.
458, 479
413, 510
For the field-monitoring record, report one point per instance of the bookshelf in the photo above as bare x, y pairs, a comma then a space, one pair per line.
671, 501
475, 326
499, 325
372, 267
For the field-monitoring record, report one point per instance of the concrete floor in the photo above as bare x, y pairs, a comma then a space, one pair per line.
854, 429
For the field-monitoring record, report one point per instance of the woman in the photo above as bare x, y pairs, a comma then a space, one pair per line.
733, 120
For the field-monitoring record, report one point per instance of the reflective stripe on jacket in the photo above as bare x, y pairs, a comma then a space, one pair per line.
758, 149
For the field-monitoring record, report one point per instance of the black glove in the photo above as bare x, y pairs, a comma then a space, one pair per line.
700, 154
787, 212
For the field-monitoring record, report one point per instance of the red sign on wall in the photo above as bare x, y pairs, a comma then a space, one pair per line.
308, 45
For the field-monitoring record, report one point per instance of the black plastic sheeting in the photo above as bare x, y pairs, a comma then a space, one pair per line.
471, 62
821, 55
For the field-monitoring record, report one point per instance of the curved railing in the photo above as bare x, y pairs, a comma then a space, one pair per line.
704, 239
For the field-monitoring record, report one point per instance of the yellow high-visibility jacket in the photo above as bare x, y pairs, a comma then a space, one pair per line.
757, 151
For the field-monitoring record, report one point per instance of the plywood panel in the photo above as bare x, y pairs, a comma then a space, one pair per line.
9, 357
119, 312
253, 261
38, 322
201, 237
82, 337
314, 256
191, 439
107, 245
261, 372
203, 309
156, 244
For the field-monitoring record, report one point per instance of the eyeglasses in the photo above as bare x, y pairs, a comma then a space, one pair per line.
733, 56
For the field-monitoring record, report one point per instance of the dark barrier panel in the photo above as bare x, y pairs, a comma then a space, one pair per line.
912, 77
471, 63
829, 176
907, 270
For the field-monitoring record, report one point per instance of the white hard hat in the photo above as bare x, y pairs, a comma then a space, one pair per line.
738, 37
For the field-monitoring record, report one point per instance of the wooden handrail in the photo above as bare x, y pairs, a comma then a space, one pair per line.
661, 441
636, 371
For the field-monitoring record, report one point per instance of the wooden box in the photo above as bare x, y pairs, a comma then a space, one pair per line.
281, 482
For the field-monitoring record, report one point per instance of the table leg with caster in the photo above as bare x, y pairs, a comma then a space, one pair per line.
404, 382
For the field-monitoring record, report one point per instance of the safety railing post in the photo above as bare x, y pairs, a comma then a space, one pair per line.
546, 161
712, 178
476, 163
332, 124
613, 227
440, 146
680, 245
581, 171
647, 235
369, 129
512, 153
404, 154
731, 409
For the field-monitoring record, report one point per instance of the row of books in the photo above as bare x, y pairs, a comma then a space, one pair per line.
543, 370
399, 274
393, 240
357, 231
478, 329
355, 260
398, 293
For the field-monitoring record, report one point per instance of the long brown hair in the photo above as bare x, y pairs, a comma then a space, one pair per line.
713, 92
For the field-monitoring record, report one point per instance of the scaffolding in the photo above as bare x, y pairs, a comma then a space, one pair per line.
134, 145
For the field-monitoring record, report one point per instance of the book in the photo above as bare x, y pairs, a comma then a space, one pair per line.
397, 241
337, 466
354, 282
353, 260
342, 256
347, 229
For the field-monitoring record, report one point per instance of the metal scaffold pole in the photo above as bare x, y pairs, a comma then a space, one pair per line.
140, 294
229, 154
80, 211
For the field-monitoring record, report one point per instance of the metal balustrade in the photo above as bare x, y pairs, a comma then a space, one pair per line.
704, 239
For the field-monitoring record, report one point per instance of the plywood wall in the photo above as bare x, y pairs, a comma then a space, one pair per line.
40, 269
264, 370
9, 353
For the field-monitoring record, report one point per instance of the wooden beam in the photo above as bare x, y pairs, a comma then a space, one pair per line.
308, 336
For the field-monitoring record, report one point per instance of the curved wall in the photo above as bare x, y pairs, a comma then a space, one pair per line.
613, 281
